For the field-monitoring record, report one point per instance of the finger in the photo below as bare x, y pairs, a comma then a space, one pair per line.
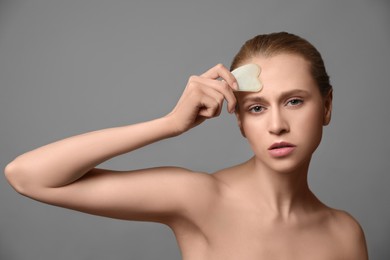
229, 96
218, 98
220, 71
209, 107
223, 88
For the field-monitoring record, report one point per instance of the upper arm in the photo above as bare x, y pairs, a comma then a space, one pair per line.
358, 242
156, 194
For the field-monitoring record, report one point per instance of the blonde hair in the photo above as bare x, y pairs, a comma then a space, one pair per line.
272, 44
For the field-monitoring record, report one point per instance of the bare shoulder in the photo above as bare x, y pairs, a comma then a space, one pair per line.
197, 190
201, 191
349, 233
196, 182
226, 176
346, 223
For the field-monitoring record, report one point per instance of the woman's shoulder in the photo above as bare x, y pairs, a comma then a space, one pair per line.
342, 220
192, 181
348, 232
230, 174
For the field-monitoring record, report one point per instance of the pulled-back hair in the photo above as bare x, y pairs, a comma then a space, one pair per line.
272, 44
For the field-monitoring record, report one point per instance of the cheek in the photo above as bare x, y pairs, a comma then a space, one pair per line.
308, 125
255, 133
253, 126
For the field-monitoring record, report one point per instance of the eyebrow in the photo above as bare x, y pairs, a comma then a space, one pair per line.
260, 99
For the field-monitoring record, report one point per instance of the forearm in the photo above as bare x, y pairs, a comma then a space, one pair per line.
62, 162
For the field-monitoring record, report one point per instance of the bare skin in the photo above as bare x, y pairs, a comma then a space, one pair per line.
260, 209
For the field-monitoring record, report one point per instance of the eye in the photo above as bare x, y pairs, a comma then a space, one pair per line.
256, 109
294, 102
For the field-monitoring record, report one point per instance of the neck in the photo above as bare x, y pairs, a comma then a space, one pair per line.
283, 193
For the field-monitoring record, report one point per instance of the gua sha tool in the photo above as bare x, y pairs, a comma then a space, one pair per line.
247, 77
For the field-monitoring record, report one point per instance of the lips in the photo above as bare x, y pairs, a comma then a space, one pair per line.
281, 149
280, 145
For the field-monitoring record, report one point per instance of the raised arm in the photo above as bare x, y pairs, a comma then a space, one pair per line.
63, 173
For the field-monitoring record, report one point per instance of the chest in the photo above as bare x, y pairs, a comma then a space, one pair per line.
244, 233
244, 236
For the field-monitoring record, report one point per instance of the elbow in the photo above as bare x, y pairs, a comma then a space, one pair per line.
16, 177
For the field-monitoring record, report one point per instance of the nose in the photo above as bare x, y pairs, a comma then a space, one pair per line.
277, 123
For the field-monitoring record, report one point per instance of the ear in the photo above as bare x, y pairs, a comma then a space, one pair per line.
328, 99
239, 122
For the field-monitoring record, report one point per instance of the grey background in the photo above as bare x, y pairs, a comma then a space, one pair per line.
68, 67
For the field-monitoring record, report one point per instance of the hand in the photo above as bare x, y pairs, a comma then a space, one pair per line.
203, 98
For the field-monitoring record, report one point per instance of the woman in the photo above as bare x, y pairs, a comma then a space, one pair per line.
260, 209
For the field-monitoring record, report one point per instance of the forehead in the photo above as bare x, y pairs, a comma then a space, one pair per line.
283, 66
281, 73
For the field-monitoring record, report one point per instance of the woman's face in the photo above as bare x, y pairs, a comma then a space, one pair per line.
283, 122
